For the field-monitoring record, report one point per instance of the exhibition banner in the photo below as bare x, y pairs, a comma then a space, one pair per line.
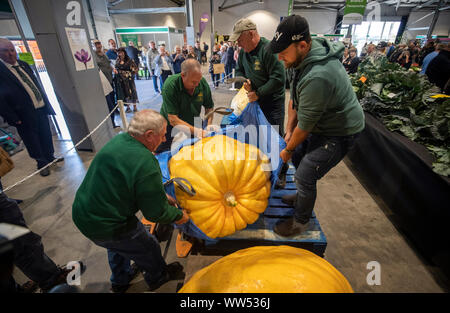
354, 11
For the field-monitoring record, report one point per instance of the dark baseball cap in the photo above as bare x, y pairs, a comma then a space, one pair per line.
293, 28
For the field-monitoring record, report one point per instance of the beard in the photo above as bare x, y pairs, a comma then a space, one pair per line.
300, 56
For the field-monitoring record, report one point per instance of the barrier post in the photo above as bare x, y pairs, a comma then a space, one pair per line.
123, 115
232, 85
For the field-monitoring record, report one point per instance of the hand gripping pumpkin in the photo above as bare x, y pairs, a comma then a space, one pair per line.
229, 178
268, 269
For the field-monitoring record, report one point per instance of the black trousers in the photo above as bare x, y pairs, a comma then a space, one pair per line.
29, 255
274, 113
37, 137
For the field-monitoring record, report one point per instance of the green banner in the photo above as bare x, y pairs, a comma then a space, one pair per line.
354, 11
291, 5
26, 57
127, 38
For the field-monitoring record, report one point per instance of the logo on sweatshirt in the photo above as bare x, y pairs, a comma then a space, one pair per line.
200, 97
257, 65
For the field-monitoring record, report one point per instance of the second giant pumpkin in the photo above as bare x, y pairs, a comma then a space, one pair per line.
231, 180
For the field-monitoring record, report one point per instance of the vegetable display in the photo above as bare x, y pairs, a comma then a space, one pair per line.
269, 269
406, 102
231, 183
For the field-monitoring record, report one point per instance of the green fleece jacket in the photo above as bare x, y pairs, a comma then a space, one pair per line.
322, 93
123, 178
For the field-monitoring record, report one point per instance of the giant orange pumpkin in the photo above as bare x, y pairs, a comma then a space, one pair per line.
231, 180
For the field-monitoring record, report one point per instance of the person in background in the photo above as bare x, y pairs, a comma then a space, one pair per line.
429, 47
24, 105
405, 59
163, 65
107, 69
112, 51
438, 71
223, 58
230, 63
126, 70
191, 53
215, 59
352, 62
185, 50
203, 54
390, 48
133, 53
346, 55
152, 53
205, 48
145, 64
178, 58
198, 52
430, 56
115, 189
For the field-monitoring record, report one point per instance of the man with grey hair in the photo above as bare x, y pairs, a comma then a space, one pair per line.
124, 178
152, 53
24, 105
266, 78
184, 95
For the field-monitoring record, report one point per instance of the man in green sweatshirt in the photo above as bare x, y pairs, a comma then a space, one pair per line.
123, 178
325, 118
266, 79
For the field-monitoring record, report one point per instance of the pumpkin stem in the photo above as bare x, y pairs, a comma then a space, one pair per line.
230, 199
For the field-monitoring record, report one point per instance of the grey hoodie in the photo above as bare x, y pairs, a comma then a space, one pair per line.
322, 93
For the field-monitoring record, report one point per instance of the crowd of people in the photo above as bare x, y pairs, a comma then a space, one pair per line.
122, 66
433, 58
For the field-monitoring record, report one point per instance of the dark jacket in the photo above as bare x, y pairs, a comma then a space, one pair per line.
438, 70
15, 103
215, 59
230, 57
351, 66
133, 53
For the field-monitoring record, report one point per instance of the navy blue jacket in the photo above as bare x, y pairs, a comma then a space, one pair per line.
15, 103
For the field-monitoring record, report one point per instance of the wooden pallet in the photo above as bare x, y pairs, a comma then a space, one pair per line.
261, 232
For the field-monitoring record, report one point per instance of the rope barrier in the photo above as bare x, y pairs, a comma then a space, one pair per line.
120, 105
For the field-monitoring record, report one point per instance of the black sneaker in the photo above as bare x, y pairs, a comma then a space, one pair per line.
119, 288
45, 172
173, 271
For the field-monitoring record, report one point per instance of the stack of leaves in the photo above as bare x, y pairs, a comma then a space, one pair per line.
408, 103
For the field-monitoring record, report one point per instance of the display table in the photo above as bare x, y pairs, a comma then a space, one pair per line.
399, 171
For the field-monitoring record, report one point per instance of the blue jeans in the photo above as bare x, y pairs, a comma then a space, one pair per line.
29, 255
155, 81
215, 78
315, 157
141, 247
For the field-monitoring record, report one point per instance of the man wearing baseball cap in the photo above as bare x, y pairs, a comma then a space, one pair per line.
325, 117
266, 78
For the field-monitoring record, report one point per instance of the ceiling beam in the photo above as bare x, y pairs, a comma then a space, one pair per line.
221, 8
148, 10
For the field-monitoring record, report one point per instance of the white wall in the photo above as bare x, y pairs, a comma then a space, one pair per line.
442, 27
9, 28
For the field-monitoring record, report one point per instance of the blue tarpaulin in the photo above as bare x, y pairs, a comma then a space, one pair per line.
251, 126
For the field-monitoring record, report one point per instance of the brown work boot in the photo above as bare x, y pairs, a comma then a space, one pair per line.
290, 227
289, 199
